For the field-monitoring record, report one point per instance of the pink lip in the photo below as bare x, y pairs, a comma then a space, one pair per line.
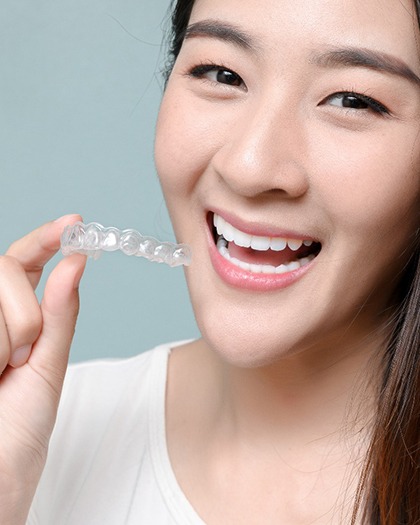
259, 282
262, 230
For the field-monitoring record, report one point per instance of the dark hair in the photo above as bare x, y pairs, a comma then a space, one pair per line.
180, 15
389, 488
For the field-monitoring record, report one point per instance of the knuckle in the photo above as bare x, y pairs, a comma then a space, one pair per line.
27, 327
18, 304
12, 246
9, 264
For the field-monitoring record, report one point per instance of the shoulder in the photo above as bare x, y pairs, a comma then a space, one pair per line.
105, 380
102, 435
96, 391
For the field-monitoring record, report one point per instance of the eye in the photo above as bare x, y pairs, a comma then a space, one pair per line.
356, 101
217, 74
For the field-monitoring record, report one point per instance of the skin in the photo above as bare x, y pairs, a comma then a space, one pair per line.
277, 376
276, 155
264, 429
30, 385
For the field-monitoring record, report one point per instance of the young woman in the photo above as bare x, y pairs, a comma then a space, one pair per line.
288, 151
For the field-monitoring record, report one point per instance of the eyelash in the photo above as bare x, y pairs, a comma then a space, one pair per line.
201, 69
374, 105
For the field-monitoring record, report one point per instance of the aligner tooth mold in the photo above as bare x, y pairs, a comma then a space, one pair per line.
92, 239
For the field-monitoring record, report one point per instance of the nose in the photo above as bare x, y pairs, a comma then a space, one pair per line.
264, 153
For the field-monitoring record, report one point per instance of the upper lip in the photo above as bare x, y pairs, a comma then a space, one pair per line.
262, 229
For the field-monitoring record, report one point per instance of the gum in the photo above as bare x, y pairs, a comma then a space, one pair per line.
92, 239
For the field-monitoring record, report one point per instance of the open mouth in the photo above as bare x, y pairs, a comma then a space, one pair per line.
257, 254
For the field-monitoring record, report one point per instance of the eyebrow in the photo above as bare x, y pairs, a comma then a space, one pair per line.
222, 31
367, 58
346, 57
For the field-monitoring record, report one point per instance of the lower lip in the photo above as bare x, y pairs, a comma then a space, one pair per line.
259, 282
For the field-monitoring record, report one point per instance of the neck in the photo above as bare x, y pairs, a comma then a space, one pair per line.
299, 400
300, 425
302, 400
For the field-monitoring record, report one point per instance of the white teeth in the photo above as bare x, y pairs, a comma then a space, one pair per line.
255, 242
261, 268
294, 265
278, 244
218, 222
242, 264
243, 239
282, 268
260, 243
228, 232
294, 244
268, 269
222, 244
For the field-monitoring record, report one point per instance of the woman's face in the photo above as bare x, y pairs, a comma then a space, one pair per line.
298, 122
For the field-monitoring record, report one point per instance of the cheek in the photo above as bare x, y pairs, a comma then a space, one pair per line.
183, 144
371, 194
371, 187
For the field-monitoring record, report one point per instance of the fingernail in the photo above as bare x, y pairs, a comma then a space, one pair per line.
67, 216
59, 219
20, 356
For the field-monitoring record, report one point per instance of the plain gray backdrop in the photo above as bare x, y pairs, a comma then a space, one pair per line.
80, 86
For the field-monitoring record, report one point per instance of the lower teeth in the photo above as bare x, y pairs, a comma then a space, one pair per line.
222, 247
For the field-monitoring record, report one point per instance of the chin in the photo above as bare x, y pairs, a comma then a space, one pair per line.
250, 348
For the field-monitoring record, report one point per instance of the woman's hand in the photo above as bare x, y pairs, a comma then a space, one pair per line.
34, 347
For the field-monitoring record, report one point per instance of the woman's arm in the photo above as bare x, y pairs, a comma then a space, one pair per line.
34, 346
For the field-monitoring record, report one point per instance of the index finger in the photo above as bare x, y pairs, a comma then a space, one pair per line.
36, 248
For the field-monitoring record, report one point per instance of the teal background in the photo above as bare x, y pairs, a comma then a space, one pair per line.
80, 86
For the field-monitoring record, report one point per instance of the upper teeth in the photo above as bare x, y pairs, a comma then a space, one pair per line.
256, 242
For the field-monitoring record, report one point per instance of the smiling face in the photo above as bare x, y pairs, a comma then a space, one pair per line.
294, 128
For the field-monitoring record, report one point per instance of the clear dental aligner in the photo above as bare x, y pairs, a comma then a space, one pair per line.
92, 239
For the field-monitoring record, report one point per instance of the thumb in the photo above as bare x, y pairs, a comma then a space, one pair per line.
59, 308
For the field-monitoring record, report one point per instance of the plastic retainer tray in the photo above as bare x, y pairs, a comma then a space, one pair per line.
92, 239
